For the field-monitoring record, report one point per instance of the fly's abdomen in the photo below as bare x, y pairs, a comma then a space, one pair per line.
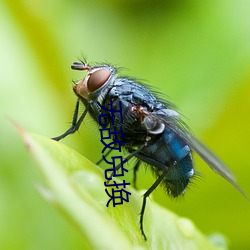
171, 155
180, 166
178, 176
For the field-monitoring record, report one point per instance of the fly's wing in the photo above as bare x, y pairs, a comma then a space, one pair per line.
175, 124
212, 160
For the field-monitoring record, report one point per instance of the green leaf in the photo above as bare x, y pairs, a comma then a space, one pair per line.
76, 187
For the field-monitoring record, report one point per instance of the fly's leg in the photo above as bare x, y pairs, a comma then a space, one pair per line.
110, 150
133, 153
75, 123
136, 167
145, 196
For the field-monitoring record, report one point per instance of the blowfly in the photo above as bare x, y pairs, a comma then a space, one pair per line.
153, 131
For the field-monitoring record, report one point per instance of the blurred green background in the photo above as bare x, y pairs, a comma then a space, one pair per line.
195, 52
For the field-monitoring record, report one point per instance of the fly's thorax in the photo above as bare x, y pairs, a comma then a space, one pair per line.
94, 85
152, 125
153, 122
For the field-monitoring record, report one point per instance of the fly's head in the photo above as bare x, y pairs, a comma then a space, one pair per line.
96, 79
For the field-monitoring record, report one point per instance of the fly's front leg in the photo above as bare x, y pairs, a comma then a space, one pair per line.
145, 196
75, 123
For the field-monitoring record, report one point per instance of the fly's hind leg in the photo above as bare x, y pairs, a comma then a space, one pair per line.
145, 196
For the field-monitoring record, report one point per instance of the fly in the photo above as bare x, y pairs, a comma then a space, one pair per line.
153, 130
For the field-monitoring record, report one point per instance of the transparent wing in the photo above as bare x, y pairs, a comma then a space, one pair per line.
175, 124
208, 156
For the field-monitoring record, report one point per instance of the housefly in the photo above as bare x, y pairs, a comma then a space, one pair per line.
153, 131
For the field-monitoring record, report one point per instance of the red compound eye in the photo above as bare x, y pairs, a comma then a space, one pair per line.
97, 79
